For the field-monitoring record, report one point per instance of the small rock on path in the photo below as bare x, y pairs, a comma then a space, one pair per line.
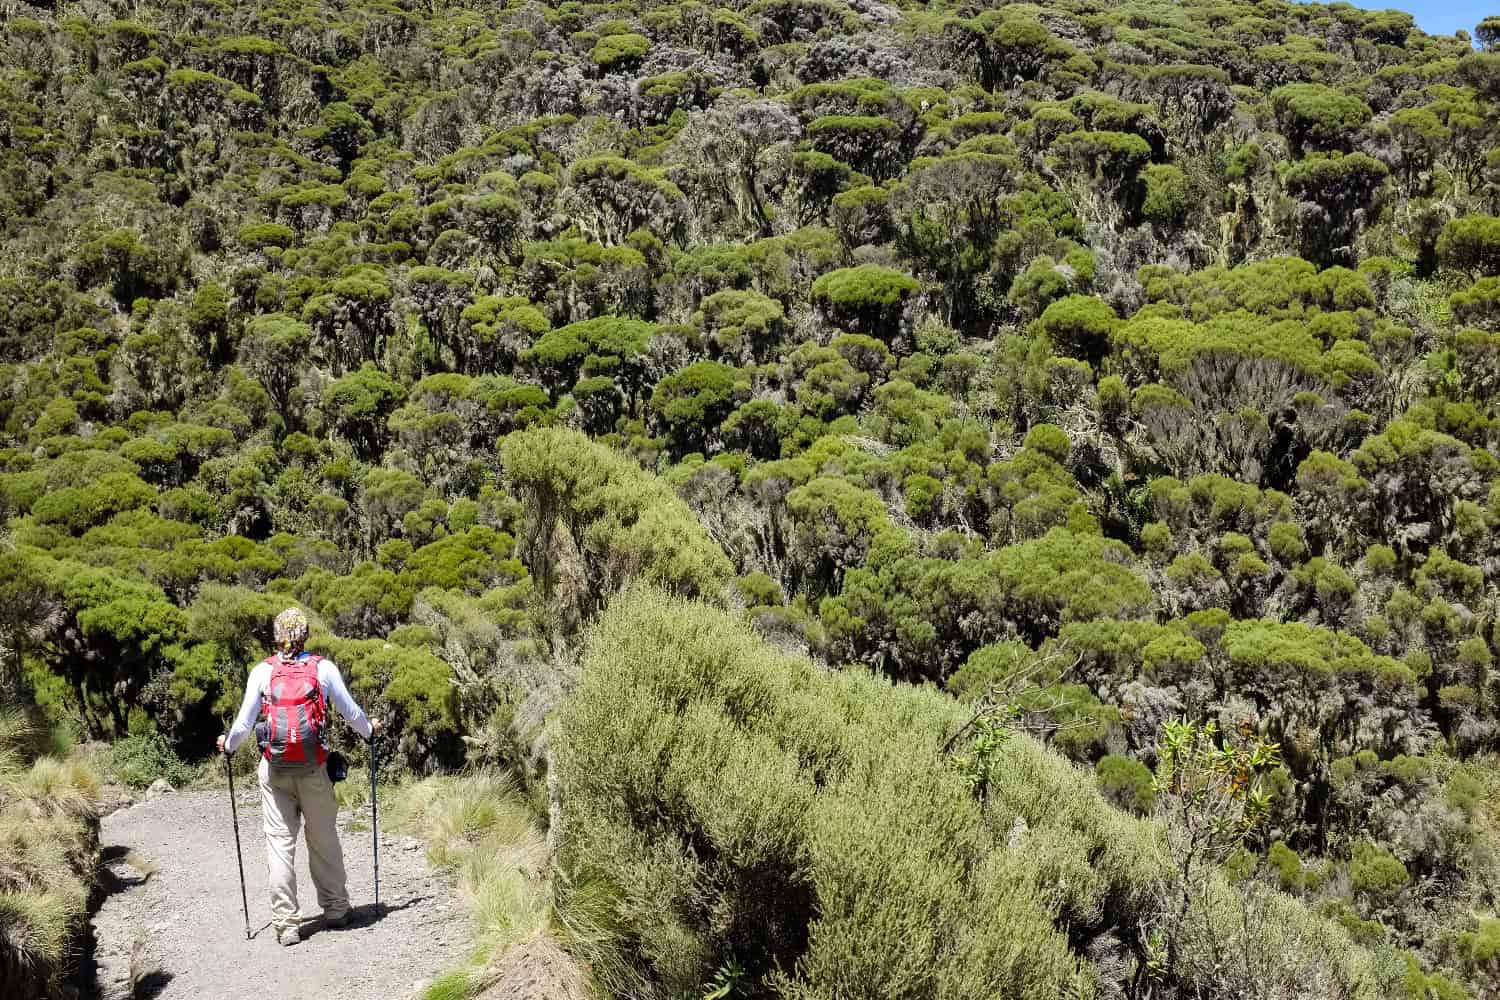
186, 915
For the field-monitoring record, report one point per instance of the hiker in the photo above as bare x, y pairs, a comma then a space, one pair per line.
290, 691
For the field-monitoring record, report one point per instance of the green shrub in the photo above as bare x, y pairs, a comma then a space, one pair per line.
865, 299
1428, 986
1483, 943
77, 509
1287, 541
1169, 194
618, 51
139, 760
1079, 326
414, 691
1287, 866
1314, 115
1126, 782
1479, 304
620, 523
1471, 245
260, 235
759, 590
1108, 155
1050, 440
779, 771
695, 400
996, 666
741, 321
922, 493
1377, 872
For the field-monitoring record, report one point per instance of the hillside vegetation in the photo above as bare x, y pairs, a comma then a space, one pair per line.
973, 402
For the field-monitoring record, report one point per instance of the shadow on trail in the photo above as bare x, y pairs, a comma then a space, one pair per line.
151, 985
360, 917
119, 869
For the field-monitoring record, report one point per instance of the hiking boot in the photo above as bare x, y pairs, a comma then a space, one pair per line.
342, 920
288, 937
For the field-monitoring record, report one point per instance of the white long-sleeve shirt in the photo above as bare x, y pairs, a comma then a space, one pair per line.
329, 679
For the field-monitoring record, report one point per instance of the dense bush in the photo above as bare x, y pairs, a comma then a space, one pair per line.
727, 803
596, 521
138, 761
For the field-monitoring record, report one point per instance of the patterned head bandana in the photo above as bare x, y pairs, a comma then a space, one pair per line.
290, 630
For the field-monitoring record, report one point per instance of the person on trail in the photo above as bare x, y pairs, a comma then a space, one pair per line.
289, 691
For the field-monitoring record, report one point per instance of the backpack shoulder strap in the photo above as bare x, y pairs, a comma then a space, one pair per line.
315, 661
265, 686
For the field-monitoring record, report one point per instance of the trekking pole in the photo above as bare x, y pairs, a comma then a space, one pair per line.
375, 824
238, 855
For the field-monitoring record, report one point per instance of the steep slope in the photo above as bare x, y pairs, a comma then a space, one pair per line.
1113, 362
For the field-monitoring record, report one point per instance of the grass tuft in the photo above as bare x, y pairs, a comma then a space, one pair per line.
479, 830
62, 786
456, 985
35, 927
49, 848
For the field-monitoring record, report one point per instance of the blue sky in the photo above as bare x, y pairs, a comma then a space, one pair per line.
1442, 17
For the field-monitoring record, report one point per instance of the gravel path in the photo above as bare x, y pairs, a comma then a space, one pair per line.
185, 925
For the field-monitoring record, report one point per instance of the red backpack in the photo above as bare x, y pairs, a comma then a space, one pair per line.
293, 711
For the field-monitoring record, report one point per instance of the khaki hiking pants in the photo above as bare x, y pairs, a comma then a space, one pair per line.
288, 796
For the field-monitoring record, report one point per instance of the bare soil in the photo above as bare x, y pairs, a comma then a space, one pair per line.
178, 933
536, 970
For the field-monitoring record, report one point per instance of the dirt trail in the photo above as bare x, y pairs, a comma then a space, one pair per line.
188, 918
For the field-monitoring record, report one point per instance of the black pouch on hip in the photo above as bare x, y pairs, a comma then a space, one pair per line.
338, 766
